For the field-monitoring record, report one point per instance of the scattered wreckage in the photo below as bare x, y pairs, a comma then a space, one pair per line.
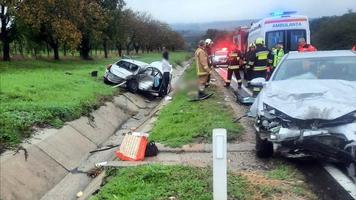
136, 76
308, 108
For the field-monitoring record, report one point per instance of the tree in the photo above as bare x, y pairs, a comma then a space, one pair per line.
337, 32
8, 27
91, 24
54, 20
113, 11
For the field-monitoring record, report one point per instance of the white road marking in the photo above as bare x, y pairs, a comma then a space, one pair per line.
219, 70
342, 179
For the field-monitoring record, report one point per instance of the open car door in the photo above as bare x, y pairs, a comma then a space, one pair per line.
150, 80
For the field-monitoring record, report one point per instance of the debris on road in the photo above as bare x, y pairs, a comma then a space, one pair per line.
80, 194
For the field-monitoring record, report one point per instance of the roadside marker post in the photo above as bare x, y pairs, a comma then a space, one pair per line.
219, 164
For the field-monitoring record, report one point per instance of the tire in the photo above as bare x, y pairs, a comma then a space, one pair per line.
264, 148
132, 85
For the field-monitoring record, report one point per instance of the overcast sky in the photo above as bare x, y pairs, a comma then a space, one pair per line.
186, 11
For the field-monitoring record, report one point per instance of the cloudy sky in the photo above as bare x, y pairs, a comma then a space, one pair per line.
186, 11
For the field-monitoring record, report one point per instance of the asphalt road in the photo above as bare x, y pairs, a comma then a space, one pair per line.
327, 181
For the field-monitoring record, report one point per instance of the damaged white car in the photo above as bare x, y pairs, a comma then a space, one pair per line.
308, 108
136, 75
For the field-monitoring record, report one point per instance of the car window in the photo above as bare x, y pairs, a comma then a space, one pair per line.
340, 68
128, 66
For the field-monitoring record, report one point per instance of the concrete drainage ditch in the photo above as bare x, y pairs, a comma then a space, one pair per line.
58, 159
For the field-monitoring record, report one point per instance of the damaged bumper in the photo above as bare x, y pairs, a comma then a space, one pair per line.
332, 144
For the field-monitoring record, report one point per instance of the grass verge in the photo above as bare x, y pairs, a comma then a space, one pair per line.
157, 182
45, 92
182, 122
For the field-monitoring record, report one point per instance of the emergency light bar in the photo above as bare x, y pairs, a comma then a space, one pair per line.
282, 13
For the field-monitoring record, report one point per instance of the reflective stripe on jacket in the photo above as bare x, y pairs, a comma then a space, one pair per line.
234, 59
261, 58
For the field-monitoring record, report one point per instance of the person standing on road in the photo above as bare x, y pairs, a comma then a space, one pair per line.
248, 62
303, 46
261, 60
166, 68
208, 49
234, 62
278, 54
203, 70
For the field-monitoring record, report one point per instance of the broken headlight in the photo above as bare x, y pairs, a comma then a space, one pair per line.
275, 117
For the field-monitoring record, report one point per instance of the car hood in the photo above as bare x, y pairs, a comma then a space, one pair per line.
309, 99
120, 72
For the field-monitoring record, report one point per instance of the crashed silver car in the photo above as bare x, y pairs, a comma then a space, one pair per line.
136, 75
308, 108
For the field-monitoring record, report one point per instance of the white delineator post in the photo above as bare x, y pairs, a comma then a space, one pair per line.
219, 164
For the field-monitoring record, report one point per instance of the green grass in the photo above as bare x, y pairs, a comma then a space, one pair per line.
47, 92
156, 182
181, 121
283, 172
175, 57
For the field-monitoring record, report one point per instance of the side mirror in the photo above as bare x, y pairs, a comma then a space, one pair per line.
258, 82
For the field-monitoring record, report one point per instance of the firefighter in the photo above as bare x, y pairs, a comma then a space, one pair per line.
208, 49
303, 46
248, 63
234, 63
203, 70
260, 60
278, 54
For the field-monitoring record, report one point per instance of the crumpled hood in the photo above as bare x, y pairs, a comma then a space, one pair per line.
310, 99
120, 72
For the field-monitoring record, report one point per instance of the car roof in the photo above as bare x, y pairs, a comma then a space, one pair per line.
320, 54
136, 62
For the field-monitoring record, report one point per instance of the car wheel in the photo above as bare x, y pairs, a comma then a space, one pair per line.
264, 148
132, 85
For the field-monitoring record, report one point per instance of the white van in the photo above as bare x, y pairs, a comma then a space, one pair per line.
285, 28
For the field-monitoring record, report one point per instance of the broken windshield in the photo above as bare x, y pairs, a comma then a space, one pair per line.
339, 68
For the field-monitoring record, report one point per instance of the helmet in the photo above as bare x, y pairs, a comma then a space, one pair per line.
208, 41
259, 41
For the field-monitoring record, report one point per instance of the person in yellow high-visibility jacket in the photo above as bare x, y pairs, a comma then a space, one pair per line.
203, 69
278, 54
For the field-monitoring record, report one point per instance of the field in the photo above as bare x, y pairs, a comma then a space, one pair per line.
42, 93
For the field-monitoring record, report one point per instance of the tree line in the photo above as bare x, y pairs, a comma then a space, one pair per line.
327, 33
34, 26
336, 32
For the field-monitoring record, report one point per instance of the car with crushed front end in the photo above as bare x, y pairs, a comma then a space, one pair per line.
136, 76
308, 108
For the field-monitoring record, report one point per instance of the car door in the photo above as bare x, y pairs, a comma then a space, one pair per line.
146, 79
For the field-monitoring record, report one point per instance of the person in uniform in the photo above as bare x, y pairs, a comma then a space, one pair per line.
234, 64
261, 60
203, 70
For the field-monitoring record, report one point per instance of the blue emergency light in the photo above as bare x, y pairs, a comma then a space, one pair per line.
282, 13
